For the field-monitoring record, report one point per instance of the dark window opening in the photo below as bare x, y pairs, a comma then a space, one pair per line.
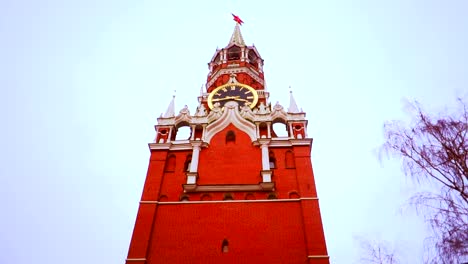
184, 198
225, 246
230, 137
206, 197
272, 196
217, 58
234, 53
272, 160
187, 163
252, 57
228, 196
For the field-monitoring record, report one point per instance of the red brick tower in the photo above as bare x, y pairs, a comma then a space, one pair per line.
234, 191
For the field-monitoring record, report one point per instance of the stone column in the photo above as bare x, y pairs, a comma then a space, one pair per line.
193, 170
266, 172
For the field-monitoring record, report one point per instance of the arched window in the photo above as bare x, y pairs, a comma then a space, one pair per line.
294, 195
198, 132
234, 53
289, 160
228, 196
263, 130
230, 137
250, 196
280, 129
163, 198
225, 246
170, 163
272, 195
272, 160
205, 197
184, 198
183, 131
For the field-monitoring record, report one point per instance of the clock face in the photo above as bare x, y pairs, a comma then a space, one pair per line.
241, 93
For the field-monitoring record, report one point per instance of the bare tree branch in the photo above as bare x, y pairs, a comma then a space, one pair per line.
436, 149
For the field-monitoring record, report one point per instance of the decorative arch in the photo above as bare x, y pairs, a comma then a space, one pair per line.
184, 198
277, 125
250, 196
163, 198
183, 131
272, 195
263, 130
230, 115
205, 197
198, 133
294, 195
228, 196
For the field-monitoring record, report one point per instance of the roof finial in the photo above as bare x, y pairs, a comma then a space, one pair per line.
170, 112
236, 37
292, 103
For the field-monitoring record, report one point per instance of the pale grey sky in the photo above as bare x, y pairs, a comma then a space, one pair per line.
83, 82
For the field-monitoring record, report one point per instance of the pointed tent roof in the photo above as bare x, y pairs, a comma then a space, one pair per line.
236, 37
292, 103
170, 112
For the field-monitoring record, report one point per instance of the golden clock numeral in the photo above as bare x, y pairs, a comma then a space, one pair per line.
249, 97
224, 89
218, 94
233, 88
247, 92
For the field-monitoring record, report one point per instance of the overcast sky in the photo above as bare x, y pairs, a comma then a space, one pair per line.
82, 83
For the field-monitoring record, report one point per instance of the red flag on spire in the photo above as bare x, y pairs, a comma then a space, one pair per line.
237, 19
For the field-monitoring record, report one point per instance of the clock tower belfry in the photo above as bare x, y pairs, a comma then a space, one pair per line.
236, 190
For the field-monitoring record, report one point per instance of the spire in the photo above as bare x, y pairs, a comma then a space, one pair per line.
170, 112
236, 37
292, 103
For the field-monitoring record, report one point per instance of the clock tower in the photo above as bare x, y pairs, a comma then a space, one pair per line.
236, 190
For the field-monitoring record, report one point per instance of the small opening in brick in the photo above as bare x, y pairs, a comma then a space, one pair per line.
225, 246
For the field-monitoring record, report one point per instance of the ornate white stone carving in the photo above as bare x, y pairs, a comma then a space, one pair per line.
247, 113
201, 110
215, 113
262, 109
230, 115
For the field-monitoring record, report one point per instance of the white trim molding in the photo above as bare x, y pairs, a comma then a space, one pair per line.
318, 256
136, 259
232, 201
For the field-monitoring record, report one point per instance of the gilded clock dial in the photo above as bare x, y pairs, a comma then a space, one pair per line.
241, 93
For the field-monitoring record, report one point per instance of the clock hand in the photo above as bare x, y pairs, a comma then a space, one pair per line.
226, 98
241, 99
221, 99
